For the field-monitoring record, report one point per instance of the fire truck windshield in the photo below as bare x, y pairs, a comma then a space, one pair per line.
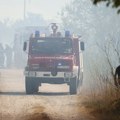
51, 46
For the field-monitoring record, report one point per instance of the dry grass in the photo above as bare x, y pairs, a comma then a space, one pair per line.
104, 102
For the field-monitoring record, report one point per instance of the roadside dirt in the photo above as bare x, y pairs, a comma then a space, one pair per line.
53, 102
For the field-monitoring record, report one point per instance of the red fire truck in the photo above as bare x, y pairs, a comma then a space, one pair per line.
53, 59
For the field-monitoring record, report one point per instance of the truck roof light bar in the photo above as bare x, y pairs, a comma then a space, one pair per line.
67, 33
37, 34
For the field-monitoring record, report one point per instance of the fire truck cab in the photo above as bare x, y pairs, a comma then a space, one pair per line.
54, 59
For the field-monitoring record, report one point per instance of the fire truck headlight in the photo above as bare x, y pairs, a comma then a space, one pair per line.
63, 67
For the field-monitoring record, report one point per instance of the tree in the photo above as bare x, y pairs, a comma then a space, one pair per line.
96, 26
114, 3
77, 18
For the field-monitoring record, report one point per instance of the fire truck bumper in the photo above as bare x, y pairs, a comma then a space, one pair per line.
52, 76
49, 74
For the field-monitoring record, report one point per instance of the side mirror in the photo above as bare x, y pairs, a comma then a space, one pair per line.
82, 46
25, 46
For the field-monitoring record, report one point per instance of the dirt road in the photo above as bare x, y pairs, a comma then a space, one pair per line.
53, 102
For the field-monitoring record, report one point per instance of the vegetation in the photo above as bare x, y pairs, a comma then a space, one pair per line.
105, 101
98, 28
114, 3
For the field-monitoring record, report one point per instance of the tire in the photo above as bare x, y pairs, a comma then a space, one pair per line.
73, 86
81, 79
31, 85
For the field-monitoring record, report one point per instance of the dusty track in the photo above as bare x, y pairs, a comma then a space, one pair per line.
53, 102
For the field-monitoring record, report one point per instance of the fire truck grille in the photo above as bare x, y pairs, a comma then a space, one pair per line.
50, 66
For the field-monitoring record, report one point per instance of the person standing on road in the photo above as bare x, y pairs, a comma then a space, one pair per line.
2, 57
8, 53
117, 76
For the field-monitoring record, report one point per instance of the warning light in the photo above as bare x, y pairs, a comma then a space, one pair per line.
37, 34
67, 33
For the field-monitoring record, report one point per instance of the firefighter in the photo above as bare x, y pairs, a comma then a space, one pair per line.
117, 76
18, 58
2, 57
8, 53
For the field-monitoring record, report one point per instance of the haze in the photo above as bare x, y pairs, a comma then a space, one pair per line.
97, 26
14, 9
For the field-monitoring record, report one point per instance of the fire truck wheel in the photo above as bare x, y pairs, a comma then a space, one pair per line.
73, 86
81, 82
78, 83
81, 78
30, 85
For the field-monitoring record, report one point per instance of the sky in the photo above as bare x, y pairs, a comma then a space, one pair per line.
14, 9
